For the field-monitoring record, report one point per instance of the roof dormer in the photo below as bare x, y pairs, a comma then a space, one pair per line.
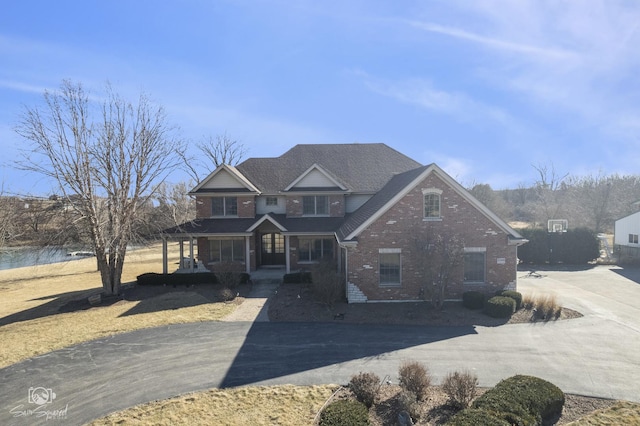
225, 179
316, 178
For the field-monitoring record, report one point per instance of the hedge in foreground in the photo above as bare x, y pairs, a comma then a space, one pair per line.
523, 400
475, 417
345, 412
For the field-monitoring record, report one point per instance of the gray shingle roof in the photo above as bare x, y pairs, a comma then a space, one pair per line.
375, 203
360, 167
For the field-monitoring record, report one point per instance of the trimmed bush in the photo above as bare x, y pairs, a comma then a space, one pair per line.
523, 400
225, 294
475, 417
460, 387
303, 277
500, 307
345, 412
365, 387
415, 378
517, 296
473, 299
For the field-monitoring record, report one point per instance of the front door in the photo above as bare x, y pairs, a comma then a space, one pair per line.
272, 249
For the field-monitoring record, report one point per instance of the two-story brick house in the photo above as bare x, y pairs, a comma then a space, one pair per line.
365, 206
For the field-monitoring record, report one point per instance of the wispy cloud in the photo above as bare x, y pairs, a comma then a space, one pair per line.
423, 93
495, 43
23, 87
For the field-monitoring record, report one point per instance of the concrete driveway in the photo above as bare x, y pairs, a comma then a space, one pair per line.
598, 354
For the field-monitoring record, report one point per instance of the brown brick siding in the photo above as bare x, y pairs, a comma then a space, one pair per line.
403, 227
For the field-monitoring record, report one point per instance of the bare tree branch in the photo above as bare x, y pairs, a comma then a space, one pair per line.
106, 159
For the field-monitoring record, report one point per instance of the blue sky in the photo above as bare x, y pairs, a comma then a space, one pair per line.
486, 89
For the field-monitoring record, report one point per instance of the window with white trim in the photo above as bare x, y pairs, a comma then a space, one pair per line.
315, 205
224, 206
226, 250
313, 249
390, 267
271, 201
432, 208
633, 238
475, 265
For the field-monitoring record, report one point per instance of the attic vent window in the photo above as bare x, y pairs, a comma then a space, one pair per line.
272, 201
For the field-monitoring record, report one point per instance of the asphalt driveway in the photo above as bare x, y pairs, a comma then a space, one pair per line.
598, 354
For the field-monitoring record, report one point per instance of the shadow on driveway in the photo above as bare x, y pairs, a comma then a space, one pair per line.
629, 272
273, 350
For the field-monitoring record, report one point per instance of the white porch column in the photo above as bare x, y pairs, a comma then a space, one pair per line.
247, 254
165, 257
192, 260
286, 257
181, 261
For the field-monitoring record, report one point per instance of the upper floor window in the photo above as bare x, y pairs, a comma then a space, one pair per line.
315, 205
633, 238
271, 201
224, 206
431, 203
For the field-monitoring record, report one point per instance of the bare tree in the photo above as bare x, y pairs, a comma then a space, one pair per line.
549, 189
106, 158
441, 255
9, 215
221, 149
213, 151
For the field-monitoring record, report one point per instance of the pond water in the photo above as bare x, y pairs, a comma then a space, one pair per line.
29, 256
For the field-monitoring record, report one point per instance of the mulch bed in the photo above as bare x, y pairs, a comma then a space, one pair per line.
295, 302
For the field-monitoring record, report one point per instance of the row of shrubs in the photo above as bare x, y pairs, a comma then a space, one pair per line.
576, 247
227, 278
518, 400
505, 303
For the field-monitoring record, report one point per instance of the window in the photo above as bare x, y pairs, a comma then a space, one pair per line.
431, 205
389, 266
633, 238
224, 206
315, 205
226, 250
474, 267
272, 201
312, 249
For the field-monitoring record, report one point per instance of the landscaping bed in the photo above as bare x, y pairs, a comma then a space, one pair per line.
296, 302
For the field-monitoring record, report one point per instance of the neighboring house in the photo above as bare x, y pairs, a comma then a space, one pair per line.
367, 207
625, 239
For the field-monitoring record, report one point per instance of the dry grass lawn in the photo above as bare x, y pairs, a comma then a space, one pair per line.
30, 299
275, 405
